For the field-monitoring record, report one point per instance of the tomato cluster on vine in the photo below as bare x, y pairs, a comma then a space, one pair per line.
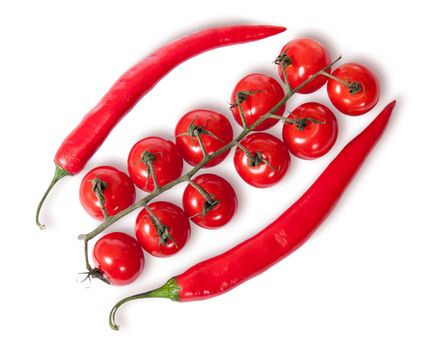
261, 159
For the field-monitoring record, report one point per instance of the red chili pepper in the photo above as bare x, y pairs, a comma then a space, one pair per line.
80, 145
255, 255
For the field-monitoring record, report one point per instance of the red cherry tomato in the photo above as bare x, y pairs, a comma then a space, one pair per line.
117, 189
119, 258
265, 162
360, 95
164, 157
314, 132
210, 214
258, 94
214, 129
167, 234
301, 59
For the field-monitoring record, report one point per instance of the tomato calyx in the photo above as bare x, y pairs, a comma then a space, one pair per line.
162, 230
164, 236
98, 187
283, 60
195, 130
210, 202
148, 158
95, 273
255, 158
354, 87
207, 207
242, 96
301, 123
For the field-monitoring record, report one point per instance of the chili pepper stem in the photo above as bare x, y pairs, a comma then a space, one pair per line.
58, 174
206, 158
170, 290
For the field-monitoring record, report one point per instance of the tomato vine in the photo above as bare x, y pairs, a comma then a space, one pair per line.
187, 177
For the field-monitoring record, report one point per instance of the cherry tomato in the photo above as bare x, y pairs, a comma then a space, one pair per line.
116, 187
216, 212
360, 95
262, 159
164, 157
119, 258
213, 128
313, 132
258, 94
302, 58
164, 231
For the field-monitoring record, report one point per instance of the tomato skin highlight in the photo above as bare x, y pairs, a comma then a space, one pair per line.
212, 121
221, 190
273, 151
119, 257
360, 102
171, 216
268, 93
119, 192
307, 56
168, 163
315, 139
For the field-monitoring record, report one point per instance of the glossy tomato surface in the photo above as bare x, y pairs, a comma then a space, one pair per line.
302, 58
118, 191
343, 97
167, 162
119, 257
314, 139
265, 162
162, 243
262, 94
214, 129
220, 211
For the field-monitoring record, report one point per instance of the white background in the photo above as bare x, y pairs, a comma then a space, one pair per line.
363, 281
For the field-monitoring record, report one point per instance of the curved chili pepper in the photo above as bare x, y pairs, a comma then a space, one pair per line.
255, 255
80, 145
